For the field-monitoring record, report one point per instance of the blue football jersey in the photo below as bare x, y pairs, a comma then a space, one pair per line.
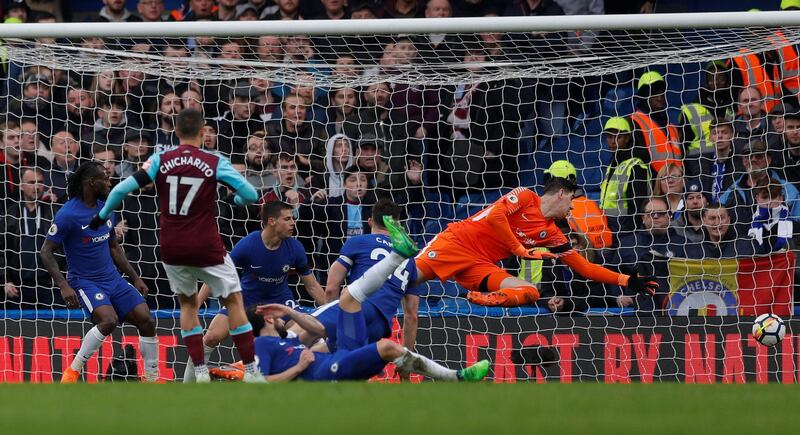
361, 252
276, 355
264, 272
87, 250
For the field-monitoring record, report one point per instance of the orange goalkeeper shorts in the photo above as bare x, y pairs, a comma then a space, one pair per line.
445, 258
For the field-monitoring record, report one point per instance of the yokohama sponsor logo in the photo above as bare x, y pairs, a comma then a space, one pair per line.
272, 280
186, 161
102, 238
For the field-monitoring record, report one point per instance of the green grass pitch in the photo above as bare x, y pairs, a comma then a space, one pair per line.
356, 408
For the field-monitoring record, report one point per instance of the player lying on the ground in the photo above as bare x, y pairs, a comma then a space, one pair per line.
186, 182
468, 251
283, 358
91, 258
264, 260
360, 253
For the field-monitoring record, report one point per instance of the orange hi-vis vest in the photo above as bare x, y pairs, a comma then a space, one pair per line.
663, 146
789, 69
587, 218
178, 14
754, 74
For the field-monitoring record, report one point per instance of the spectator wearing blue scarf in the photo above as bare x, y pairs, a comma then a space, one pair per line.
771, 226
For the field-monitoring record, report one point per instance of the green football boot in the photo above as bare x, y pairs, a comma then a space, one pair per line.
475, 372
401, 242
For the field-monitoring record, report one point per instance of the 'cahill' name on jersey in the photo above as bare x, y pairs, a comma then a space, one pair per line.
360, 253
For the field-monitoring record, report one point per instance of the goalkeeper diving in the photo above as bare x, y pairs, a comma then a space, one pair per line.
521, 221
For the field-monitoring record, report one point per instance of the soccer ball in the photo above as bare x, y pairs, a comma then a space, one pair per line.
768, 329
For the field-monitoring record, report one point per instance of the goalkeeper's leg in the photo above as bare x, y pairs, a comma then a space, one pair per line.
499, 289
216, 332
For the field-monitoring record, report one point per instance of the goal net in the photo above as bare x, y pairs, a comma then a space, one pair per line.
687, 137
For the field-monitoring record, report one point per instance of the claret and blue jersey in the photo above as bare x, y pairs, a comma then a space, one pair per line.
186, 181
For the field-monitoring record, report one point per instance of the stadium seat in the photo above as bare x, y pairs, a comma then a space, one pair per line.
588, 124
449, 306
683, 83
472, 203
618, 101
438, 205
437, 288
590, 159
434, 227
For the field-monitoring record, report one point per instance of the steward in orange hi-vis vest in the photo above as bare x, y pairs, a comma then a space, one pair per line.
651, 123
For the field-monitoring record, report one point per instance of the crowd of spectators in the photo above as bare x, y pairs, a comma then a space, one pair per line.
718, 182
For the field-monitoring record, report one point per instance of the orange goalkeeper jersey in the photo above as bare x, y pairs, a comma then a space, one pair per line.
510, 226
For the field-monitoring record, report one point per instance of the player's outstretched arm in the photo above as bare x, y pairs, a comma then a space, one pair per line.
314, 289
118, 254
313, 327
336, 276
51, 265
139, 179
410, 320
115, 198
245, 192
598, 273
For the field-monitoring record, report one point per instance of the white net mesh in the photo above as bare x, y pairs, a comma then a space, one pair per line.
517, 55
443, 125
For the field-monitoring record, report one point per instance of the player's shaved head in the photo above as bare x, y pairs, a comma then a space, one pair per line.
385, 207
189, 124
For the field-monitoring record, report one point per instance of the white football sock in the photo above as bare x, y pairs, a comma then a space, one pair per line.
252, 368
416, 363
148, 346
91, 342
188, 373
201, 370
374, 277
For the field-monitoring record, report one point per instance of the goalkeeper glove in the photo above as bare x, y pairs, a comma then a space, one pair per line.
96, 222
642, 284
537, 254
